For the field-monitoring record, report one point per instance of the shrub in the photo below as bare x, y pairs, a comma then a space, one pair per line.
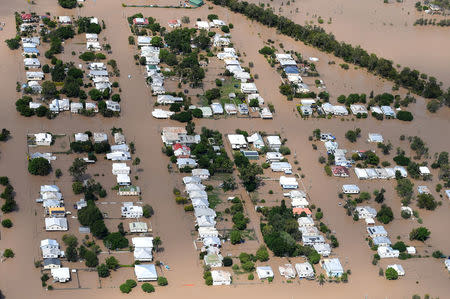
148, 288
147, 211
131, 283
7, 223
227, 261
8, 253
103, 270
405, 116
251, 276
262, 254
235, 237
391, 274
124, 288
162, 281
420, 234
400, 246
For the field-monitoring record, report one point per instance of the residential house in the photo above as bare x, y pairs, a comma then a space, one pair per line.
174, 23
91, 37
140, 21
56, 224
64, 20
273, 157
31, 62
75, 107
143, 247
265, 113
35, 76
202, 25
366, 212
123, 179
181, 150
358, 109
309, 230
374, 137
60, 274
288, 182
264, 272
129, 190
377, 231
387, 252
50, 249
138, 227
381, 241
323, 249
206, 111
216, 108
113, 106
186, 162
51, 263
213, 260
332, 267
311, 240
287, 270
220, 277
281, 166
230, 109
56, 212
144, 40
340, 171
305, 222
304, 270
388, 111
350, 189
201, 173
248, 88
130, 211
145, 272
167, 99
237, 141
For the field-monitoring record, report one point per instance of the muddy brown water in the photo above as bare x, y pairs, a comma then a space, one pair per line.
423, 275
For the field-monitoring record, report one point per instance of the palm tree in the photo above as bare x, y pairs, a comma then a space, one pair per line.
321, 279
157, 242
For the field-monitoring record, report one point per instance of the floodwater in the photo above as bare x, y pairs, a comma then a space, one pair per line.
423, 275
384, 29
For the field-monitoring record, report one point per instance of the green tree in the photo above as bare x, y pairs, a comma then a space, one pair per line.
103, 270
7, 223
91, 259
70, 240
391, 274
148, 288
262, 254
78, 169
426, 201
39, 166
131, 283
157, 242
235, 237
420, 234
49, 90
385, 214
400, 246
124, 288
162, 281
68, 3
112, 263
115, 241
147, 211
8, 253
99, 229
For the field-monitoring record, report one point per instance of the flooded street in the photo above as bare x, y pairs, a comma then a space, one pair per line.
170, 222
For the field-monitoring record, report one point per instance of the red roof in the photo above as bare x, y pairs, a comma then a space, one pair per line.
177, 146
135, 21
173, 22
298, 211
26, 16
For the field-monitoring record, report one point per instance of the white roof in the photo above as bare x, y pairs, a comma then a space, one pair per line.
288, 180
424, 170
304, 269
49, 242
145, 272
264, 272
142, 242
305, 221
237, 139
398, 268
374, 137
59, 222
61, 274
274, 140
220, 275
123, 178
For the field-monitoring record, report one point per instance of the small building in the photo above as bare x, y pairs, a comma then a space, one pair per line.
120, 168
285, 167
52, 263
388, 111
50, 249
387, 252
201, 173
251, 155
202, 25
214, 260
398, 268
311, 240
257, 140
206, 111
113, 106
323, 249
56, 224
340, 171
264, 272
143, 247
43, 139
299, 202
381, 241
230, 109
129, 190
411, 250
423, 190
138, 227
248, 88
305, 222
265, 113
216, 108
145, 272
447, 263
196, 3
61, 274
274, 157
57, 212
221, 277
237, 141
274, 142
140, 21
309, 230
358, 109
35, 76
350, 189
332, 267
299, 211
376, 231
174, 23
144, 40
366, 212
130, 211
123, 179
374, 137
423, 170
288, 182
304, 270
186, 162
64, 20
287, 270
32, 62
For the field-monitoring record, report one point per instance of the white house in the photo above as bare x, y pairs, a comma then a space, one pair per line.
138, 227
273, 157
56, 224
144, 40
64, 20
237, 141
167, 99
323, 249
201, 173
216, 108
202, 25
309, 230
51, 263
81, 137
213, 260
376, 231
248, 88
264, 272
91, 37
61, 274
411, 250
350, 189
374, 137
221, 277
285, 167
256, 140
31, 62
120, 168
305, 221
288, 182
44, 139
366, 212
130, 211
381, 241
287, 270
143, 247
304, 270
424, 170
186, 162
387, 252
398, 268
50, 249
311, 240
274, 142
113, 106
358, 109
75, 107
145, 272
333, 267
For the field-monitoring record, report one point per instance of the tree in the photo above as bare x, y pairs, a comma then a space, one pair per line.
404, 188
115, 241
162, 281
148, 288
89, 214
13, 43
147, 211
405, 116
71, 254
7, 223
391, 274
124, 288
103, 271
385, 214
78, 169
157, 242
39, 166
249, 176
420, 234
99, 229
248, 266
49, 90
131, 283
262, 254
8, 253
112, 263
352, 135
227, 261
400, 246
68, 3
70, 240
91, 259
379, 195
235, 237
426, 201
87, 56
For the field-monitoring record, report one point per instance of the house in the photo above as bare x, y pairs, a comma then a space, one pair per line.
60, 274
398, 268
274, 142
299, 211
93, 46
91, 106
331, 146
340, 171
361, 173
411, 250
75, 107
140, 21
52, 263
145, 272
202, 25
309, 230
51, 203
423, 190
64, 20
50, 249
206, 111
305, 222
295, 194
91, 37
123, 179
120, 168
80, 204
31, 62
251, 155
35, 76
423, 170
288, 182
230, 109
323, 249
350, 189
287, 270
143, 247
186, 162
387, 111
216, 108
219, 41
118, 156
220, 277
130, 211
248, 88
273, 157
113, 106
205, 221
376, 110
167, 99
281, 166
447, 263
381, 241
43, 139
237, 141
129, 190
377, 231
374, 137
56, 224
174, 23
387, 252
213, 260
196, 3
172, 135
366, 212
181, 150
201, 173
198, 212
191, 180
264, 272
205, 231
56, 212
59, 105
306, 110
35, 87
158, 90
138, 227
304, 270
289, 70
243, 109
332, 267
265, 113
144, 40
311, 240
358, 109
